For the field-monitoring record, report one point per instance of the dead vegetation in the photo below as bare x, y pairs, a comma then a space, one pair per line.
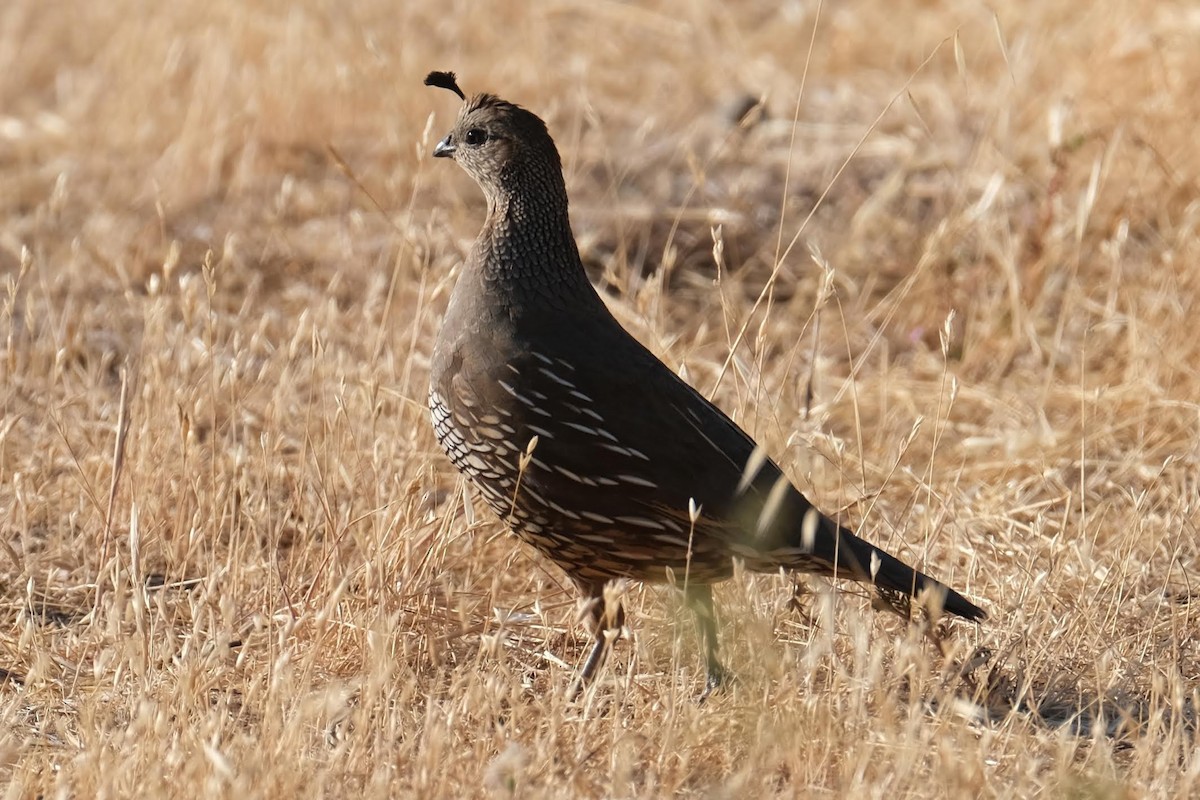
948, 271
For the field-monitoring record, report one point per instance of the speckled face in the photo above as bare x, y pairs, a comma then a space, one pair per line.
498, 142
481, 142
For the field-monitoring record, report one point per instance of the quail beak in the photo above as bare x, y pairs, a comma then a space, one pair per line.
444, 148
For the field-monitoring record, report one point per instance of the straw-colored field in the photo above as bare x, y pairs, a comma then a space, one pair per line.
955, 292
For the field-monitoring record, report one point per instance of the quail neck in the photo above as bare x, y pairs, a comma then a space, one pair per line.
525, 259
526, 251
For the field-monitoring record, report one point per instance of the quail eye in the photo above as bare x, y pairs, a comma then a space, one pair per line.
475, 136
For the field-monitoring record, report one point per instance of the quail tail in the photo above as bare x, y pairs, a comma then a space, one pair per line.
859, 560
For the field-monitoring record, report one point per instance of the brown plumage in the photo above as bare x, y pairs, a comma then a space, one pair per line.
584, 443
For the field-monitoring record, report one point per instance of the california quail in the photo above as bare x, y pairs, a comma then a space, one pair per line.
584, 443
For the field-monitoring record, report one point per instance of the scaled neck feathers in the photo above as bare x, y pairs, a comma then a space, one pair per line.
526, 245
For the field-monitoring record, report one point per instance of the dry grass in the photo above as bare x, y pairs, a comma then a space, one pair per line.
234, 563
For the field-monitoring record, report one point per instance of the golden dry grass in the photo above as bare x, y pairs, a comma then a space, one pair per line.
235, 564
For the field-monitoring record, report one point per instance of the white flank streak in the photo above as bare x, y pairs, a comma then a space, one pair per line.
565, 512
580, 396
555, 378
597, 517
540, 431
581, 428
641, 522
636, 481
569, 474
523, 398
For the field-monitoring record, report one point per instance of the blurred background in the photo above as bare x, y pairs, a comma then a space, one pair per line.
941, 257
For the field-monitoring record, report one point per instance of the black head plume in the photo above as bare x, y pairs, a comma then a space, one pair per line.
444, 80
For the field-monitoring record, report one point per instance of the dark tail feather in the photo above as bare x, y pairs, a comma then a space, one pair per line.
896, 575
833, 544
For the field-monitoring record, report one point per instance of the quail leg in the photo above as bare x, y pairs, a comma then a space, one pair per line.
699, 599
606, 625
